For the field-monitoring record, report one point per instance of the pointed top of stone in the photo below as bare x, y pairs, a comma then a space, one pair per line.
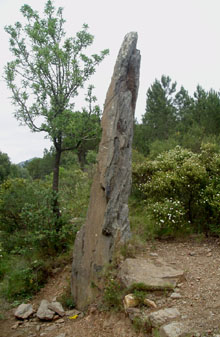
128, 48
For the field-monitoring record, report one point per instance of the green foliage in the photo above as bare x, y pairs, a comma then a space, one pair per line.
66, 299
14, 193
4, 265
138, 324
30, 236
113, 294
9, 170
23, 279
156, 332
27, 218
38, 168
45, 77
179, 191
142, 287
170, 217
160, 116
175, 118
140, 295
5, 166
48, 70
22, 276
141, 222
74, 191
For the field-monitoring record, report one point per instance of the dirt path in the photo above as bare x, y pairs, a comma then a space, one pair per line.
199, 303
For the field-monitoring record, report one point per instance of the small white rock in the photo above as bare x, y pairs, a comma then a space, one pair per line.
154, 254
179, 285
150, 303
175, 296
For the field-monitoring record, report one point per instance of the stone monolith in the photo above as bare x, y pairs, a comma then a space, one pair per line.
107, 223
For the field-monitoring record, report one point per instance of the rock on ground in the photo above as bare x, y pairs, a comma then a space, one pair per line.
162, 316
154, 274
174, 329
57, 308
130, 301
43, 312
24, 311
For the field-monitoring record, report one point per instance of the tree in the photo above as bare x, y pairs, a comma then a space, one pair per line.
91, 116
206, 112
5, 166
45, 76
160, 115
39, 168
184, 104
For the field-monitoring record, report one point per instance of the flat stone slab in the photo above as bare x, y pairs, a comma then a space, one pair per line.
154, 274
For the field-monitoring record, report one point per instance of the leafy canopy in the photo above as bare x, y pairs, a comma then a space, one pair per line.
47, 71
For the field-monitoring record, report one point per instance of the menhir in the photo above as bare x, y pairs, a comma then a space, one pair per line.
107, 223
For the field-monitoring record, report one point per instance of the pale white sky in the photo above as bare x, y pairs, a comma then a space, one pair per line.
179, 38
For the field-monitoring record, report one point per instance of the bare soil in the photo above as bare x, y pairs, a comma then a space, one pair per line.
199, 304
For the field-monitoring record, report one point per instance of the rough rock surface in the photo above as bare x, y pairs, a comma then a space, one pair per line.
174, 329
107, 221
43, 312
57, 308
24, 311
150, 303
130, 301
162, 316
154, 274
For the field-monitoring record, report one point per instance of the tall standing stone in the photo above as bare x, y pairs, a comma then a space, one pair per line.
107, 222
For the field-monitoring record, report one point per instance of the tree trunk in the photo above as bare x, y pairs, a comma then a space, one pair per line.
56, 168
81, 158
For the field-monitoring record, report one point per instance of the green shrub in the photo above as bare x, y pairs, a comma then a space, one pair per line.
23, 278
66, 299
30, 235
113, 294
27, 219
74, 192
169, 216
179, 191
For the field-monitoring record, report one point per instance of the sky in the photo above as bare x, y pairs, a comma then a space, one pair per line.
177, 38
